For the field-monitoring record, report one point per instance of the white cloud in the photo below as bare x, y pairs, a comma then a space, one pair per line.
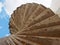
7, 34
1, 5
11, 5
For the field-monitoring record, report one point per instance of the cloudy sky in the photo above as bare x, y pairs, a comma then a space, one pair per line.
6, 9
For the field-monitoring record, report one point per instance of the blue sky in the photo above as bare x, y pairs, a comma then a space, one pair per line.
2, 1
6, 9
4, 21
